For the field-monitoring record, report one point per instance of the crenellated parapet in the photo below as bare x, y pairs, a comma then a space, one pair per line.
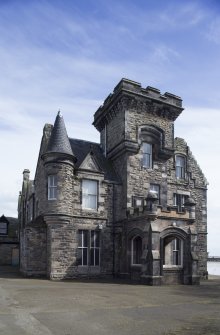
129, 94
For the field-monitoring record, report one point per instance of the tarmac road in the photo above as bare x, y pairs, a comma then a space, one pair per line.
43, 307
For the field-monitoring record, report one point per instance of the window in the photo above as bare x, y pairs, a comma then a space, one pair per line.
178, 201
172, 251
136, 250
154, 188
147, 155
52, 187
94, 248
88, 255
180, 167
176, 251
3, 228
138, 201
83, 247
89, 194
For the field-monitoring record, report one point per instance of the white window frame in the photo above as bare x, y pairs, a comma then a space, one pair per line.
177, 252
52, 187
133, 255
180, 166
147, 150
83, 235
94, 248
86, 195
174, 250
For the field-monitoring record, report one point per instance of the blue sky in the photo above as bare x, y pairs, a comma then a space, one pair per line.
69, 55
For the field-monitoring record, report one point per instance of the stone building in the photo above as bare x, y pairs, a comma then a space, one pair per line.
9, 243
133, 206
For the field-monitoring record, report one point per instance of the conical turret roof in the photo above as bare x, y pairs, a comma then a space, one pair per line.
59, 141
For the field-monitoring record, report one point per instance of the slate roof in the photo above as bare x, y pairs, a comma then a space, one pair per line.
59, 141
82, 148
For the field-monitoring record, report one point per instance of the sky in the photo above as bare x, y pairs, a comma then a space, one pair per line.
69, 55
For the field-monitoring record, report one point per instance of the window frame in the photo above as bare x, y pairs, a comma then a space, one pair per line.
152, 185
89, 248
147, 155
176, 252
178, 201
137, 198
86, 196
52, 187
83, 247
94, 248
4, 230
180, 169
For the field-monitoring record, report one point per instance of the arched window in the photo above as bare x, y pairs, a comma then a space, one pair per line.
172, 251
136, 250
180, 167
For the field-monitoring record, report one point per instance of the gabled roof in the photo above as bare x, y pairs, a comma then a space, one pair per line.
82, 148
59, 142
3, 219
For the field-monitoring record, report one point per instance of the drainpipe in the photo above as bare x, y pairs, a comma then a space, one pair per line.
113, 230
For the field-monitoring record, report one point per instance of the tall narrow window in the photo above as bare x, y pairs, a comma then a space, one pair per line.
154, 188
136, 250
180, 167
176, 250
173, 251
52, 187
147, 155
95, 248
89, 194
83, 247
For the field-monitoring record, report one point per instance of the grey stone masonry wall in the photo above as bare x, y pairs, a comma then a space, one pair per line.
62, 246
153, 241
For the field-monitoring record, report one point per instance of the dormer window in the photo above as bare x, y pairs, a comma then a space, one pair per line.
147, 155
180, 167
89, 194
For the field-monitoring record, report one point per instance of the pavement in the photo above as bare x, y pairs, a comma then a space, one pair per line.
43, 307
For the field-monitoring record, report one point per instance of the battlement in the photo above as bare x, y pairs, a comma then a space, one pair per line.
149, 92
133, 91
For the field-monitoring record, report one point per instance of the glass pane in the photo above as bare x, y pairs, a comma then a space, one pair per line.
180, 161
155, 189
92, 201
79, 256
97, 256
80, 238
89, 187
92, 238
147, 148
85, 238
92, 260
84, 250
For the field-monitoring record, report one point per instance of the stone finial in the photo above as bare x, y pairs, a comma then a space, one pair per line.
26, 175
